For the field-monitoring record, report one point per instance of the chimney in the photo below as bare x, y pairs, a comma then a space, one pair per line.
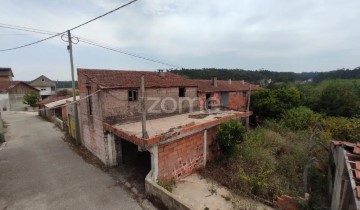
214, 81
242, 82
161, 73
229, 81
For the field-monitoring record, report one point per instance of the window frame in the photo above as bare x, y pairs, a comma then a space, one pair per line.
133, 95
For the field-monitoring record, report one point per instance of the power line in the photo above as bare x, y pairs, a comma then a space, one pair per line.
87, 41
28, 29
78, 26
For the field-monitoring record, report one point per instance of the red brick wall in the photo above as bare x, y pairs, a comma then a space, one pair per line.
180, 158
215, 99
237, 101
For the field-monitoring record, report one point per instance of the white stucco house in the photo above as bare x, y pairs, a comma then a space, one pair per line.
45, 85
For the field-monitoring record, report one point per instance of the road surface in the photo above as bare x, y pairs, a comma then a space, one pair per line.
38, 170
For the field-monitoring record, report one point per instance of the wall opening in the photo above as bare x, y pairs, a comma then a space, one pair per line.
208, 102
133, 164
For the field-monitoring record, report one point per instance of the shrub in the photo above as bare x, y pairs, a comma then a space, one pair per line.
230, 133
300, 118
342, 129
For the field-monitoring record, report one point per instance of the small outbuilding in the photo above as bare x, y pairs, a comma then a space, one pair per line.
12, 94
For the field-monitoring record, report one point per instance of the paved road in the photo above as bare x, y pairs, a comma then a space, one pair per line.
39, 171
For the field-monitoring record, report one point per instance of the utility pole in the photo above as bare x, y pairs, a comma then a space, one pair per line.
73, 88
248, 109
143, 108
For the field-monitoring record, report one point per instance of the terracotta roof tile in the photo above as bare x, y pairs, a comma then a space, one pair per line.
224, 85
5, 86
108, 79
6, 72
51, 99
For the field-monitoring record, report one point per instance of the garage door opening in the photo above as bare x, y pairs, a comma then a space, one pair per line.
133, 164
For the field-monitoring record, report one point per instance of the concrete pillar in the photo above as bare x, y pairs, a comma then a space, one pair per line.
111, 150
154, 162
205, 146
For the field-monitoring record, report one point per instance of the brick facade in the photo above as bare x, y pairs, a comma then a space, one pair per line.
112, 105
182, 157
176, 153
117, 107
236, 100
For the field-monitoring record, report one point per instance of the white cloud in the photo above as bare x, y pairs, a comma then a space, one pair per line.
275, 34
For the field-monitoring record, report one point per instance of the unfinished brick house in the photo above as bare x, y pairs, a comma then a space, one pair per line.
177, 134
220, 93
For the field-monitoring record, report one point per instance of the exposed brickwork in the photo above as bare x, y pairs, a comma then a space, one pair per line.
236, 100
180, 158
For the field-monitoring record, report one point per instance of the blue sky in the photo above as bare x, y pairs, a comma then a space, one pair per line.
294, 35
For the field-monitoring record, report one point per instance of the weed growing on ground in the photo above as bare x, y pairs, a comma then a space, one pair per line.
166, 185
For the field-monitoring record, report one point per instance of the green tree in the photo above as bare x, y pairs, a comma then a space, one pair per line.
31, 98
273, 103
310, 95
340, 99
229, 134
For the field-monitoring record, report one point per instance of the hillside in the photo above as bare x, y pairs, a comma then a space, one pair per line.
258, 75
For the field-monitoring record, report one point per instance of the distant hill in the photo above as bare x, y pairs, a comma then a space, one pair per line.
255, 76
65, 84
258, 75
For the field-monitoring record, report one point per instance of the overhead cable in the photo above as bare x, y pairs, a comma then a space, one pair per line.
78, 26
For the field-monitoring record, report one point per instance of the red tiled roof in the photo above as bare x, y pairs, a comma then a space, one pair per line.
108, 79
51, 99
223, 85
5, 86
6, 72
